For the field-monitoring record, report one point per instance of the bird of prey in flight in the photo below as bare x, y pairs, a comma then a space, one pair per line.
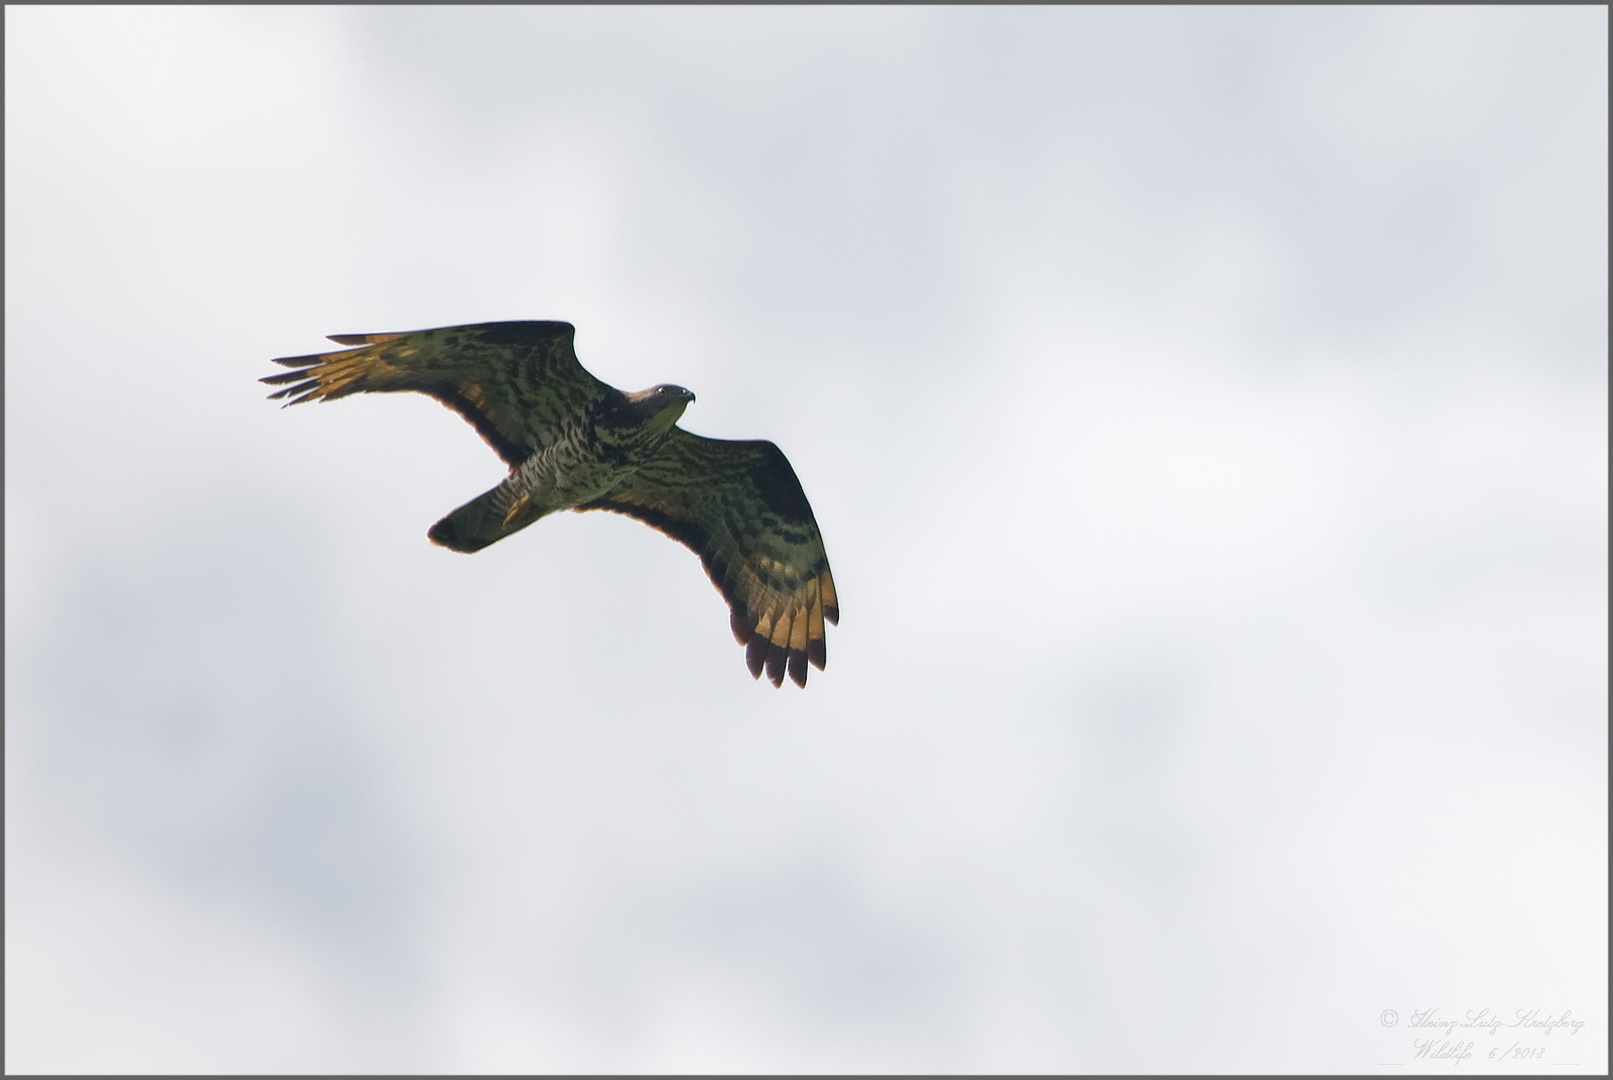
572, 442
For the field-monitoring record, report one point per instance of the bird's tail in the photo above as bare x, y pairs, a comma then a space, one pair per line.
489, 517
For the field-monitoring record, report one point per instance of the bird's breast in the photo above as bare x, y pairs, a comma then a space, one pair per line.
570, 472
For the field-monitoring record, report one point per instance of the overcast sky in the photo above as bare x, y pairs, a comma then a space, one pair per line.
1205, 411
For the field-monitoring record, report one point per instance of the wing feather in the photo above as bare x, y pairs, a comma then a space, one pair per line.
817, 655
739, 506
779, 650
515, 382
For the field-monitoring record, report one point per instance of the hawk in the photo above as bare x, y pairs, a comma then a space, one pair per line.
572, 442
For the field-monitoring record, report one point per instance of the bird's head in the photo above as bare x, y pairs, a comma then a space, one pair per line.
659, 407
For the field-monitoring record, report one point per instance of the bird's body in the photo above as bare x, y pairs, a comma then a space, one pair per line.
572, 442
592, 454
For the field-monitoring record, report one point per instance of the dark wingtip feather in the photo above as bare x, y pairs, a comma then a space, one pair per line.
775, 664
284, 376
832, 613
305, 389
297, 361
741, 625
817, 652
755, 655
798, 668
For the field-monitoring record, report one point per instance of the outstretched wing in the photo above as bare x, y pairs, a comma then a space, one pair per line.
514, 381
740, 508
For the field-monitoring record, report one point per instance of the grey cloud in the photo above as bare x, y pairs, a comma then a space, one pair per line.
1205, 411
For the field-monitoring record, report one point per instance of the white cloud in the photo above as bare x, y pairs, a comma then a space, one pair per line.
1204, 410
